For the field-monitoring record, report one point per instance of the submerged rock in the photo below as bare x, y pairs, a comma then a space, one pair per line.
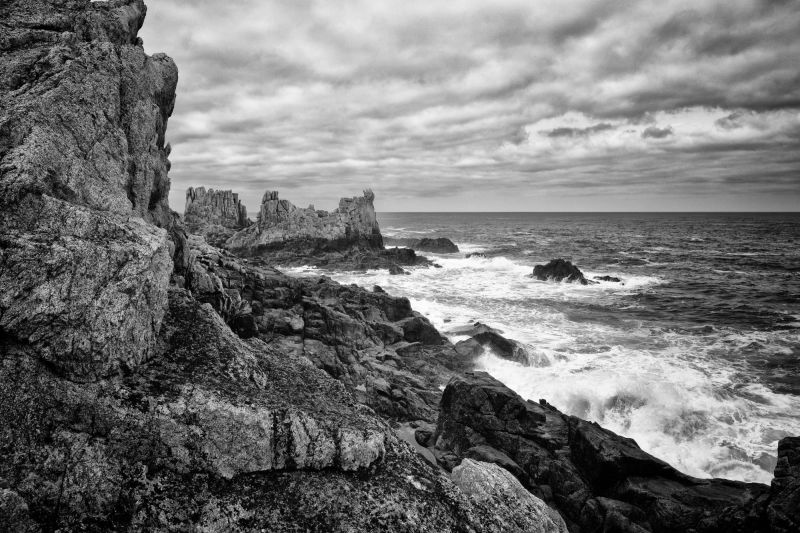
612, 279
395, 270
559, 270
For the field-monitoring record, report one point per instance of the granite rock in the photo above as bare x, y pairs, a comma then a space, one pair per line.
216, 215
280, 224
487, 482
559, 270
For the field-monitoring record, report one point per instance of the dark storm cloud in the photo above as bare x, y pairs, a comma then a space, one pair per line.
521, 103
578, 132
657, 133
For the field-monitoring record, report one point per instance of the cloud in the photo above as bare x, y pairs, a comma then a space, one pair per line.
657, 133
520, 100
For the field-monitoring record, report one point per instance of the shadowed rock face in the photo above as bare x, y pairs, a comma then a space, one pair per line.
281, 224
598, 480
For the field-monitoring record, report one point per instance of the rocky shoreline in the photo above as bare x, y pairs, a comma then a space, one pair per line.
151, 381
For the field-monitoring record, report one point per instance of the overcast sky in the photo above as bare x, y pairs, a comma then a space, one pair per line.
495, 105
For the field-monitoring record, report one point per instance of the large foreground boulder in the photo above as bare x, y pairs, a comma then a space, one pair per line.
487, 482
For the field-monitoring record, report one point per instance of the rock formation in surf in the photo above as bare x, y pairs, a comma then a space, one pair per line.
216, 215
281, 225
439, 245
559, 270
599, 480
347, 238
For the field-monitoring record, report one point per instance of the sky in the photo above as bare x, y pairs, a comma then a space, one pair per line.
494, 105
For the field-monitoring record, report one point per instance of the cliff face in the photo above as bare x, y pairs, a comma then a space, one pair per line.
214, 214
83, 169
281, 223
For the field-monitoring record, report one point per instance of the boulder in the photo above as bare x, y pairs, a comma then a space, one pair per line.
487, 482
559, 270
439, 245
469, 348
503, 347
419, 329
395, 270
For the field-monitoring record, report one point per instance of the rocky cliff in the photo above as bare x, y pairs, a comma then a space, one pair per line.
216, 215
84, 256
281, 224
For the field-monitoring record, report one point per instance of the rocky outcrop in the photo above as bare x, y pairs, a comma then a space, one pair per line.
216, 215
440, 245
345, 239
83, 184
389, 357
280, 225
598, 480
559, 270
784, 506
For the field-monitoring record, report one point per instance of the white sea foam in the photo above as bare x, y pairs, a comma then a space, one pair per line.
675, 394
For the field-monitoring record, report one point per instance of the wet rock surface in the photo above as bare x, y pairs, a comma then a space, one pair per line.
595, 478
559, 270
438, 245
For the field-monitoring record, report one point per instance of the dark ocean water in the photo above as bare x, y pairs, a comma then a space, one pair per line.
696, 354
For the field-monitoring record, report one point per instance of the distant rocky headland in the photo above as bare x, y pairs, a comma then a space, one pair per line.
346, 238
152, 381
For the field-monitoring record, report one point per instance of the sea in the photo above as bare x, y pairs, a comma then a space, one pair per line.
695, 354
